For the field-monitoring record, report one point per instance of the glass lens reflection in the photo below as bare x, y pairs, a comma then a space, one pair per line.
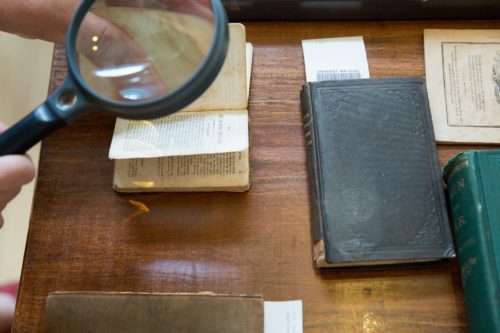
140, 50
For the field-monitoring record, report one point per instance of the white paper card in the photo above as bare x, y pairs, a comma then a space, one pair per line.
249, 59
283, 317
335, 59
185, 133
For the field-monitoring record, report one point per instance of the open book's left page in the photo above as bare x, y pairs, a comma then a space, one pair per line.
189, 133
220, 161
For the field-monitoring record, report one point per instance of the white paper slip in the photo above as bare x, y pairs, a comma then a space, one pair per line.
249, 59
283, 317
335, 59
188, 133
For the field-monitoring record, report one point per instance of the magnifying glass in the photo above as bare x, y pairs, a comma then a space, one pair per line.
137, 59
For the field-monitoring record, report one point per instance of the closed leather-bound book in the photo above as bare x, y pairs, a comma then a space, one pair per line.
376, 191
73, 312
473, 181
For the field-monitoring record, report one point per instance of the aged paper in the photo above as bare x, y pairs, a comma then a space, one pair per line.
228, 91
207, 172
211, 130
185, 133
248, 73
463, 82
177, 44
226, 171
341, 58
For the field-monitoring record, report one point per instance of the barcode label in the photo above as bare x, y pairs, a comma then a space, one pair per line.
349, 74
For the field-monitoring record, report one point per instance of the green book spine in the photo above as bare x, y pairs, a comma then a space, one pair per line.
473, 181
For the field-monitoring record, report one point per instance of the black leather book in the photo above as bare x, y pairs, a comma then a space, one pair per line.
376, 191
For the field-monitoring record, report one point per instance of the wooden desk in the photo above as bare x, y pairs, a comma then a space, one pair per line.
84, 236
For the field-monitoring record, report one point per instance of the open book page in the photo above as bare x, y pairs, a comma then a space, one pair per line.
179, 134
228, 171
228, 91
182, 40
463, 82
213, 130
207, 172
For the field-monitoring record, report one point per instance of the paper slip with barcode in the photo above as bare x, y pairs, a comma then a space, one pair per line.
341, 58
283, 317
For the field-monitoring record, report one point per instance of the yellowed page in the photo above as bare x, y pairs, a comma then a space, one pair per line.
176, 43
463, 83
145, 139
208, 172
228, 91
202, 172
188, 133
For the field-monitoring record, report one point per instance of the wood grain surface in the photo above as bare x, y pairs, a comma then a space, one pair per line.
85, 237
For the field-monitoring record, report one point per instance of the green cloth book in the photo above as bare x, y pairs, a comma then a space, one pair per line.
473, 181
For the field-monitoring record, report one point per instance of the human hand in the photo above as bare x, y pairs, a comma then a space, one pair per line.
135, 53
200, 8
15, 171
7, 306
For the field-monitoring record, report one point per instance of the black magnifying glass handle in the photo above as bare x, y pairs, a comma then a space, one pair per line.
142, 68
65, 104
30, 130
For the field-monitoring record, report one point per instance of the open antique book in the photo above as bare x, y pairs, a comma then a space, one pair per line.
204, 147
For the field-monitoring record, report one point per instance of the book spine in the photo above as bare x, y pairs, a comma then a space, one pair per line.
312, 163
473, 242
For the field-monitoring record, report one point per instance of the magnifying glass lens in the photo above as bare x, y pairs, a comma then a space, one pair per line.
141, 50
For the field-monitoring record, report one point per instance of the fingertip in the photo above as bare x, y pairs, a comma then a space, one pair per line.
29, 172
26, 169
16, 170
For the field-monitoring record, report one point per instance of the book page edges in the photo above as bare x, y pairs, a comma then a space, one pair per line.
196, 173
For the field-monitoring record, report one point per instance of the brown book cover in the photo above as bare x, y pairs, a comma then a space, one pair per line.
376, 191
72, 312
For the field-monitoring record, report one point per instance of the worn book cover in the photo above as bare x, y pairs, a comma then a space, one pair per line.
462, 68
135, 312
376, 191
473, 188
204, 147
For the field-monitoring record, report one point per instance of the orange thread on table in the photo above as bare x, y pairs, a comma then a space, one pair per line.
142, 207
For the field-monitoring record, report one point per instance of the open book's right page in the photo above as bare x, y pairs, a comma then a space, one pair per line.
463, 81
